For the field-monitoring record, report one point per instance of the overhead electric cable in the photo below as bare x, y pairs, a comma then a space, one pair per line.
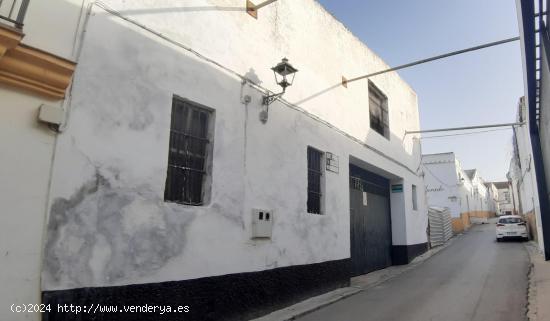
345, 81
461, 134
461, 128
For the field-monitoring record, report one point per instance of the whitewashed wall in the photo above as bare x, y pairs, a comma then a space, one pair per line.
448, 185
504, 203
465, 189
441, 182
526, 176
108, 222
479, 198
27, 148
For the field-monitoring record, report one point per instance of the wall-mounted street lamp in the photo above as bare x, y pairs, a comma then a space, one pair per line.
284, 76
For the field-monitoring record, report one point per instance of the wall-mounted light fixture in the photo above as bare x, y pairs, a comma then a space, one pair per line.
284, 77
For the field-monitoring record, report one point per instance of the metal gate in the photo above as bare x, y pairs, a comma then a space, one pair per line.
370, 221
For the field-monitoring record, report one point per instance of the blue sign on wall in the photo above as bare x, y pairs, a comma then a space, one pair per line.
397, 188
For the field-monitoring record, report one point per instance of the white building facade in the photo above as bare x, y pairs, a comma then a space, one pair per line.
536, 76
522, 174
36, 66
492, 197
462, 191
505, 198
171, 177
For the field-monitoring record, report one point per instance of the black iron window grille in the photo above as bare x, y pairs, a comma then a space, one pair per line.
188, 153
314, 167
13, 12
355, 183
378, 111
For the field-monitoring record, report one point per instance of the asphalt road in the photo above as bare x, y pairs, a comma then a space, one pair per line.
475, 278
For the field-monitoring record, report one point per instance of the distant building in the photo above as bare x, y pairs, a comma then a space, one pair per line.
535, 49
462, 191
483, 205
522, 176
505, 198
492, 197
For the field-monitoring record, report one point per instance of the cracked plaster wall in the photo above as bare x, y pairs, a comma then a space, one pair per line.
108, 223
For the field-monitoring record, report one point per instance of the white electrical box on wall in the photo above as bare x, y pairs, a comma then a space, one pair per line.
51, 114
262, 223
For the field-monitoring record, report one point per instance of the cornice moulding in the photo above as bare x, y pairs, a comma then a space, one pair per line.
31, 68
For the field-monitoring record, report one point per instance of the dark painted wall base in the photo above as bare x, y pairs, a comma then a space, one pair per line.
239, 296
404, 254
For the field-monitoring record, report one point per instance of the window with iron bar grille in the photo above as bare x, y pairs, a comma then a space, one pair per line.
314, 187
188, 153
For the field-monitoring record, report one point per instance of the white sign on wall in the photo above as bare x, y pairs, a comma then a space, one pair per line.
332, 162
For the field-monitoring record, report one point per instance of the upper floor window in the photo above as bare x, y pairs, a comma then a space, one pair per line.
378, 111
189, 153
314, 180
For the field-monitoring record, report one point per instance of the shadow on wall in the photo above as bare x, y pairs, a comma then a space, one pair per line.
148, 11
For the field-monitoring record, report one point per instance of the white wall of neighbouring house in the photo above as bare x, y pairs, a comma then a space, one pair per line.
108, 222
505, 200
492, 197
478, 200
528, 189
465, 190
27, 151
441, 181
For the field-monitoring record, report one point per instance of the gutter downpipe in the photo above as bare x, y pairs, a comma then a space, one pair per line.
526, 17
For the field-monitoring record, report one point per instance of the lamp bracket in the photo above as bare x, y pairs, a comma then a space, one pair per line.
268, 99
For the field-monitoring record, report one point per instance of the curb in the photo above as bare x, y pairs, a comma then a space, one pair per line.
531, 306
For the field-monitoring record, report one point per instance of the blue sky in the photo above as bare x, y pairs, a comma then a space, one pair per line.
476, 88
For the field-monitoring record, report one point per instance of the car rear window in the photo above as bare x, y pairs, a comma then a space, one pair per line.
510, 220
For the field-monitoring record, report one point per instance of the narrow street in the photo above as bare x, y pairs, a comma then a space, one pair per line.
270, 160
475, 278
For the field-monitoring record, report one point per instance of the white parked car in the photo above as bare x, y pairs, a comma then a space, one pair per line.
511, 226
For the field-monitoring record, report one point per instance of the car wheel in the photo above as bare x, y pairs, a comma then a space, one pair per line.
498, 240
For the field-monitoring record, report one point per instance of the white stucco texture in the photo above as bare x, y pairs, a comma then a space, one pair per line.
108, 222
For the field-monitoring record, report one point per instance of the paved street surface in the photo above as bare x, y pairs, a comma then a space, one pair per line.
475, 278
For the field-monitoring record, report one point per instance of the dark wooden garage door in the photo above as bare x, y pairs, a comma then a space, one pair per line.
370, 221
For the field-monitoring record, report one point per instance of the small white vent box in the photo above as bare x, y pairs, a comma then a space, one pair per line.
51, 114
262, 223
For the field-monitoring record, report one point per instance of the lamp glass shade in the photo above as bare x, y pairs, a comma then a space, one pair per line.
284, 68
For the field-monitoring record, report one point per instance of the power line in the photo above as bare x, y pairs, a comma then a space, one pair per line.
345, 81
461, 128
461, 134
